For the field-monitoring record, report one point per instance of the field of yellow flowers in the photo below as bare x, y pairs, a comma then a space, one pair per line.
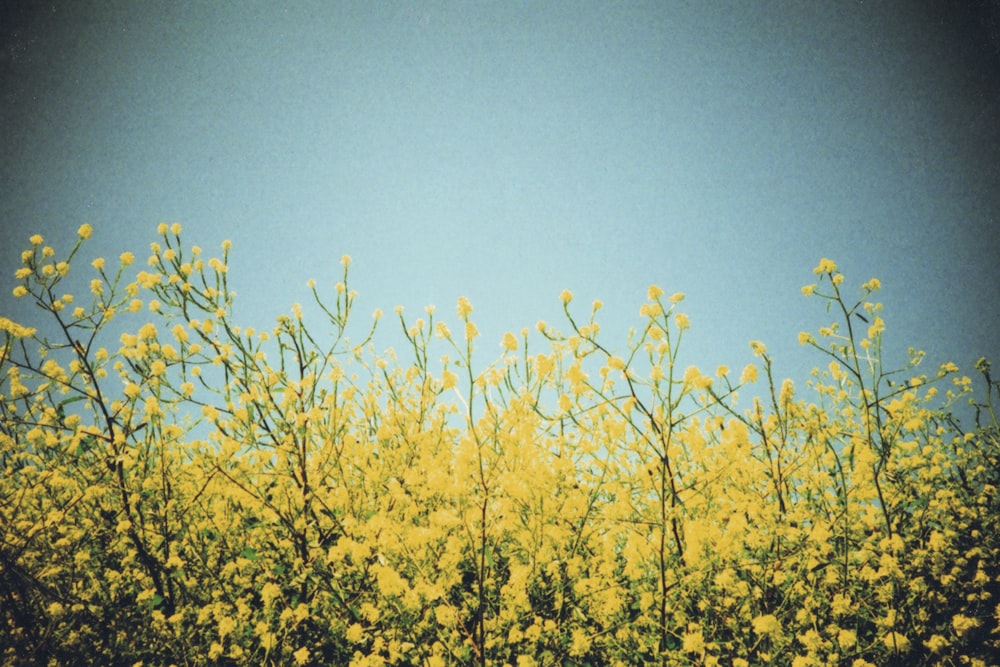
200, 492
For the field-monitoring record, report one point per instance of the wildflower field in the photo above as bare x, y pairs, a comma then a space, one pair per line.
192, 490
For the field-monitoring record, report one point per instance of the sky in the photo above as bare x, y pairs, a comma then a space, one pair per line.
505, 151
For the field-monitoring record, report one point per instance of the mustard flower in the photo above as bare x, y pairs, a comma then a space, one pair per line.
682, 321
825, 266
963, 624
14, 329
808, 290
767, 625
37, 239
758, 348
509, 342
654, 292
464, 307
85, 231
20, 291
565, 296
676, 297
470, 331
175, 229
897, 642
749, 374
126, 258
301, 656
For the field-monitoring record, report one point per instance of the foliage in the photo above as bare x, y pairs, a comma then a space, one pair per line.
202, 492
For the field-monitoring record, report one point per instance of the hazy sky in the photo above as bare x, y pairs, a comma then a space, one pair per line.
506, 151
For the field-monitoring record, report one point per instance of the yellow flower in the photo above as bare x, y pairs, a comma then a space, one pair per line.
175, 229
682, 321
20, 291
808, 289
676, 297
355, 633
464, 307
85, 231
767, 625
897, 642
509, 342
470, 331
962, 624
37, 239
749, 374
758, 348
805, 338
126, 258
14, 329
654, 292
301, 656
565, 296
825, 266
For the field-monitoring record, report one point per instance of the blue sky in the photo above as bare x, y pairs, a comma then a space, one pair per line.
506, 151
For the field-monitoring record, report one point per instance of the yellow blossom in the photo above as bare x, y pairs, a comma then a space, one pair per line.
565, 296
464, 308
85, 231
825, 266
654, 292
14, 329
355, 633
126, 258
20, 291
37, 239
509, 342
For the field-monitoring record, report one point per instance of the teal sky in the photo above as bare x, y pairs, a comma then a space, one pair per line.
506, 151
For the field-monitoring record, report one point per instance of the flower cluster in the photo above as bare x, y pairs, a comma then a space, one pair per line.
190, 490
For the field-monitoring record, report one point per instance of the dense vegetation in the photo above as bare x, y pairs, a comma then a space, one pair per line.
201, 492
